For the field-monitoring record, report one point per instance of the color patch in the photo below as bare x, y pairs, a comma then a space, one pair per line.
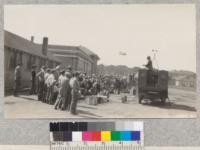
135, 135
54, 126
96, 135
82, 126
125, 136
76, 136
51, 136
67, 136
86, 136
57, 136
115, 135
105, 136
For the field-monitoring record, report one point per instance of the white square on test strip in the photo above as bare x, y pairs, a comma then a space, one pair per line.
138, 126
51, 136
119, 126
129, 125
76, 136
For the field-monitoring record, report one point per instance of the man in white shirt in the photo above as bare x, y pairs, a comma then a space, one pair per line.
62, 84
50, 86
74, 84
46, 75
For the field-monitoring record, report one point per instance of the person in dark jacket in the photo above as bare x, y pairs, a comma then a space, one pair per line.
33, 80
40, 76
149, 64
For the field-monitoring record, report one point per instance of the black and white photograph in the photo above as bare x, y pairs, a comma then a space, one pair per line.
100, 61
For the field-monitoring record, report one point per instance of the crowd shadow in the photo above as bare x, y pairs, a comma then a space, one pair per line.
27, 98
84, 113
9, 103
170, 105
87, 107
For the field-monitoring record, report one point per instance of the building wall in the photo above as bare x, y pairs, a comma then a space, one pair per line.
78, 60
77, 63
12, 57
84, 66
94, 66
68, 61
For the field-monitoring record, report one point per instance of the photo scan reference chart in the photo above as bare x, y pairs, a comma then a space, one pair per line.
120, 135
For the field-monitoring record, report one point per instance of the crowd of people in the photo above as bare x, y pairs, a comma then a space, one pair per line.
63, 88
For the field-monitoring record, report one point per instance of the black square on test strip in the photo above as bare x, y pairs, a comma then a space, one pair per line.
64, 126
82, 126
54, 126
75, 126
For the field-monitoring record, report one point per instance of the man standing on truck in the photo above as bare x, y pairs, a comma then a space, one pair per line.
149, 64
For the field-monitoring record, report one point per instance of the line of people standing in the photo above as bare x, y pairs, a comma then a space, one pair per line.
58, 88
52, 86
63, 88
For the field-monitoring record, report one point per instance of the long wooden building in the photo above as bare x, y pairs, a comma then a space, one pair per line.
20, 50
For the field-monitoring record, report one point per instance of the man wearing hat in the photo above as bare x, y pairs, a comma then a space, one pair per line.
67, 103
17, 78
69, 69
57, 72
62, 90
33, 80
74, 84
40, 76
46, 75
51, 82
149, 65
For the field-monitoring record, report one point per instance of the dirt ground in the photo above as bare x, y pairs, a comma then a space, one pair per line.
182, 105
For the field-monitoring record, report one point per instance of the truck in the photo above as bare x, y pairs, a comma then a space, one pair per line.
152, 85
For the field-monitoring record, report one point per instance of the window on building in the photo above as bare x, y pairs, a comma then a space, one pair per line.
50, 64
33, 60
40, 62
19, 57
12, 62
7, 55
28, 66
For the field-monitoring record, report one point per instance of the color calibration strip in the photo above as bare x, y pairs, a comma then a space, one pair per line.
97, 135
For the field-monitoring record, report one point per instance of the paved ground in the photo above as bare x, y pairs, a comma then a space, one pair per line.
182, 106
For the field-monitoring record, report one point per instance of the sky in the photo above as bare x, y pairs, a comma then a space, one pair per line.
135, 29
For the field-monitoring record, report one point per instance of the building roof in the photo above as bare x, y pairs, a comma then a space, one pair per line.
88, 52
63, 51
17, 42
74, 48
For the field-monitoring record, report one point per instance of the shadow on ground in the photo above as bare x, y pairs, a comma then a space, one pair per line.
83, 113
170, 105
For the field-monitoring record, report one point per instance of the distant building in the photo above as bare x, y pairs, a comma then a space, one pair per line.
20, 50
78, 57
183, 81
